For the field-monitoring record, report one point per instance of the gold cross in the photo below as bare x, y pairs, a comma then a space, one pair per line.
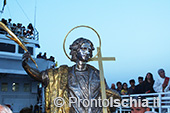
102, 81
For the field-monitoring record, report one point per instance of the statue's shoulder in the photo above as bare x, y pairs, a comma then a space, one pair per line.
61, 68
92, 67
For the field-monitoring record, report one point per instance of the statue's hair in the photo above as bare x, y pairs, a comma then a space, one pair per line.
75, 46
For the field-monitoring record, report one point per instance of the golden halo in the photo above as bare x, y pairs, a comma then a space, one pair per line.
79, 27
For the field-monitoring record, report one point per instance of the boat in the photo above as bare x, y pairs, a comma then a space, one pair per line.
17, 89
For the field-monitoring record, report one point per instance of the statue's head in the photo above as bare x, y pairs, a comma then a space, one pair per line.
81, 49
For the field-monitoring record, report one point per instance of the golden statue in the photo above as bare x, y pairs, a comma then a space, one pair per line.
81, 81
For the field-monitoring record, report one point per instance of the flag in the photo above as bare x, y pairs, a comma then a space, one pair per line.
3, 5
4, 2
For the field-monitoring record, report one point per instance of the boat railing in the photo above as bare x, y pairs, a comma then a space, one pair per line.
2, 31
22, 33
156, 101
36, 34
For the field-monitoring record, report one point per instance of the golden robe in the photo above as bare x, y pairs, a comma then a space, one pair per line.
57, 87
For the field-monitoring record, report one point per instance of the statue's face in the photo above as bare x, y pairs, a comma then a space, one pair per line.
84, 52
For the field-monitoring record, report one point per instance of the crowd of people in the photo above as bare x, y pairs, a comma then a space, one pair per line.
147, 85
44, 56
18, 29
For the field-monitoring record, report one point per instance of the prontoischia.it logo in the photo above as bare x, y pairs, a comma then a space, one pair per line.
111, 102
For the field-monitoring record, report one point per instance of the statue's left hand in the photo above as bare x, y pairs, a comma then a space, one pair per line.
26, 56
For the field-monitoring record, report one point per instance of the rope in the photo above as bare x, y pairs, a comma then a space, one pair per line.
9, 11
23, 11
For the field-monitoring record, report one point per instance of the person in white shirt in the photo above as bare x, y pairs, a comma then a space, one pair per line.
4, 109
162, 84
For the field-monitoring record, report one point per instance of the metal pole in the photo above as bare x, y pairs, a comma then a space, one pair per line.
43, 100
160, 103
120, 109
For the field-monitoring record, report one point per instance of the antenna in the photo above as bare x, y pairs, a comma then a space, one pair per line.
35, 13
